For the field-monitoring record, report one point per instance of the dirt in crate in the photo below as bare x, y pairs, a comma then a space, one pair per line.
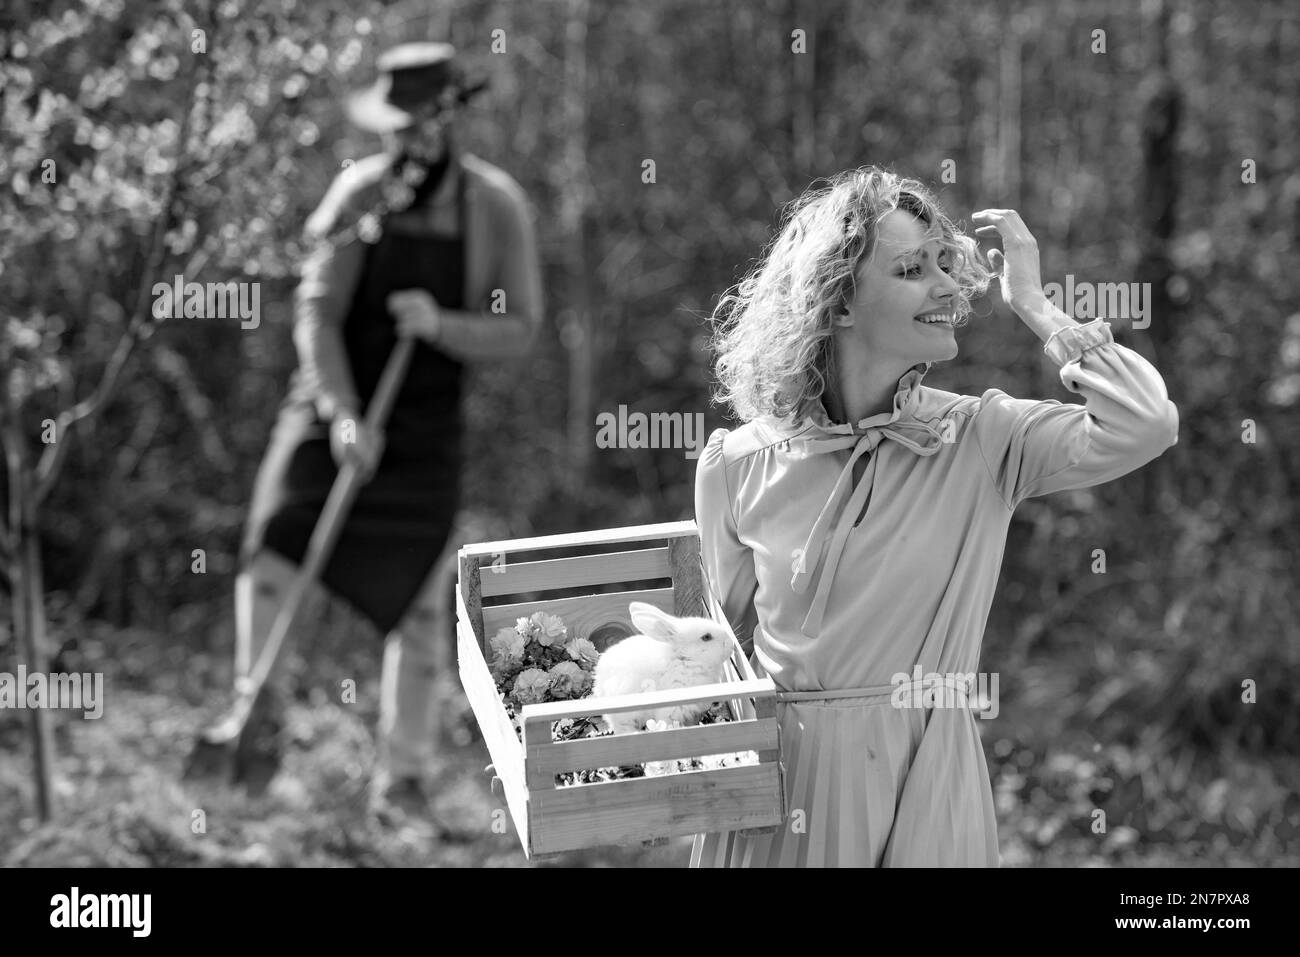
572, 729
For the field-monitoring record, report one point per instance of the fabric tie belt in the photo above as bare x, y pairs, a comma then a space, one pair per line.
915, 689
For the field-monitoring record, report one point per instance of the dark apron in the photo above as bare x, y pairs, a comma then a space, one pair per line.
401, 519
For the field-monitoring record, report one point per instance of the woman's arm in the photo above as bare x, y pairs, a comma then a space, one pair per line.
727, 561
1036, 447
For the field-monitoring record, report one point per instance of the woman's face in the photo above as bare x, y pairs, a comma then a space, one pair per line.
905, 277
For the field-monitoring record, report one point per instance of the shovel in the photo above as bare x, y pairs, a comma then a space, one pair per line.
219, 750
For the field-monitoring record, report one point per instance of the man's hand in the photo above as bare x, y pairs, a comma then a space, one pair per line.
352, 441
417, 314
1017, 261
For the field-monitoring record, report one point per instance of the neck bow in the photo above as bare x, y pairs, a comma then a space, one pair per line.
819, 435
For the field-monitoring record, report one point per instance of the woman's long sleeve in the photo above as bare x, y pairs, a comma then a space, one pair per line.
1034, 447
727, 561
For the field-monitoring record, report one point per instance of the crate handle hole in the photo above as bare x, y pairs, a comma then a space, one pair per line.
610, 633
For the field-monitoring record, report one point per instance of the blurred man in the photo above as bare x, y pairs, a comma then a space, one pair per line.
425, 240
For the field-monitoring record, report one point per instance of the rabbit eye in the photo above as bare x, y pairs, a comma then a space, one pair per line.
706, 637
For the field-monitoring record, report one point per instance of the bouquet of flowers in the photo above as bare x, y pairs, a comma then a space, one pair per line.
536, 661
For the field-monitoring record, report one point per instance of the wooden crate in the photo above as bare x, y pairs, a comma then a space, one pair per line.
657, 564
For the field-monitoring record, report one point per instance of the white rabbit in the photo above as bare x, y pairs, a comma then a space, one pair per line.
669, 653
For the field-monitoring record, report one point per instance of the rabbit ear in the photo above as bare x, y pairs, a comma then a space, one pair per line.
651, 622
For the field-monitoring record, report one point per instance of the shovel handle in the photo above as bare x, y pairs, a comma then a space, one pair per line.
390, 380
328, 528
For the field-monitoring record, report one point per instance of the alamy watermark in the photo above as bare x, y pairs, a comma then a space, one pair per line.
75, 909
948, 690
1104, 300
78, 691
654, 430
213, 300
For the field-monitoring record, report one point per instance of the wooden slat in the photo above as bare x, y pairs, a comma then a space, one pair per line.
688, 584
614, 704
582, 570
583, 614
602, 536
498, 733
627, 749
759, 707
534, 776
742, 709
499, 736
742, 665
469, 590
643, 809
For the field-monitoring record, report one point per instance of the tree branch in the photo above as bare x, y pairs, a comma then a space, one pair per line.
106, 548
173, 369
8, 527
140, 327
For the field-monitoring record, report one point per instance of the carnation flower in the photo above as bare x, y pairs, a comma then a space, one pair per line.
507, 648
583, 652
547, 629
508, 644
568, 680
502, 671
531, 686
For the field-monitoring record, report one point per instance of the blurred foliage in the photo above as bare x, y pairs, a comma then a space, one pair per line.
206, 164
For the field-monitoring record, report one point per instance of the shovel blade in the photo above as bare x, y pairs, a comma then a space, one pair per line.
210, 760
221, 751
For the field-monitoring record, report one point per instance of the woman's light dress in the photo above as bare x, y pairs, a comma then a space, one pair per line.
859, 552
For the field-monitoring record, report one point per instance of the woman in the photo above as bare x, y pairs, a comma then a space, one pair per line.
422, 240
855, 524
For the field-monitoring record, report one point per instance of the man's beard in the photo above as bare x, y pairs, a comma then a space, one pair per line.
430, 148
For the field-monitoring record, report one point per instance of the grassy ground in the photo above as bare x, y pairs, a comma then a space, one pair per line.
122, 802
124, 805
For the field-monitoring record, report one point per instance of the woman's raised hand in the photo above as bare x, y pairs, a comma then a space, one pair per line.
1017, 262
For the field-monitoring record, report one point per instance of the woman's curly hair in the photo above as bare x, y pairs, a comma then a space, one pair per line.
773, 330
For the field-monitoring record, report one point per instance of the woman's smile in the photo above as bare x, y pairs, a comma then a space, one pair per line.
945, 320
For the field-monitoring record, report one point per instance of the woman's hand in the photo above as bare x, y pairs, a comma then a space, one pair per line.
1017, 262
417, 314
